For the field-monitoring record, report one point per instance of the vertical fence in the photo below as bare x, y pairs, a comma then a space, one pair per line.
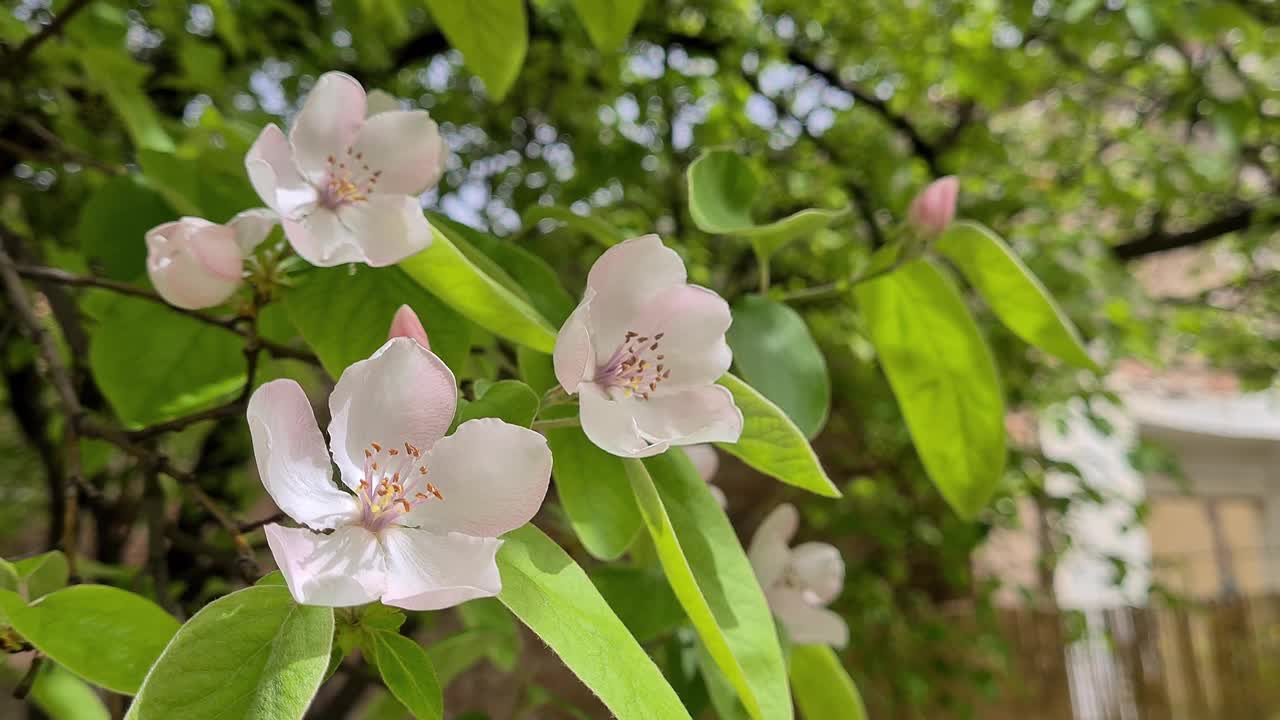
1210, 661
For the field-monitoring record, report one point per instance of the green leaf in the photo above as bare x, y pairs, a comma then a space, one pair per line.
8, 577
713, 580
506, 642
593, 489
40, 575
344, 313
823, 690
63, 696
492, 36
722, 190
406, 669
536, 278
217, 190
252, 654
120, 78
550, 594
1141, 19
1015, 294
944, 378
642, 599
608, 22
536, 369
772, 444
774, 351
112, 225
103, 634
155, 364
508, 400
601, 231
457, 653
451, 276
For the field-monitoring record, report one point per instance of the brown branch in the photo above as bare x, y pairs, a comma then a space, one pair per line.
79, 422
232, 324
920, 146
19, 56
1239, 218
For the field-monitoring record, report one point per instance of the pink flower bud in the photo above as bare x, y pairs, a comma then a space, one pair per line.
935, 207
406, 324
194, 263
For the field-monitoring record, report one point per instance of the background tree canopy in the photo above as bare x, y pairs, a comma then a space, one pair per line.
775, 143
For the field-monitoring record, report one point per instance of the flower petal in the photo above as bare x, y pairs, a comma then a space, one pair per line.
820, 569
625, 278
328, 124
574, 358
321, 239
405, 147
193, 263
426, 571
806, 624
273, 175
610, 424
291, 456
252, 227
692, 321
405, 323
693, 415
934, 208
493, 476
402, 393
386, 228
342, 569
769, 551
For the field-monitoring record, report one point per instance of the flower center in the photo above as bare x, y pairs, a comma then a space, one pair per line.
635, 367
394, 483
347, 181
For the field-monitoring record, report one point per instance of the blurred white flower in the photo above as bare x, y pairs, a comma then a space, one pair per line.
799, 582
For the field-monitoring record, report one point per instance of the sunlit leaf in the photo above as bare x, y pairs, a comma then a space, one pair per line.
944, 378
1015, 294
713, 580
492, 36
772, 444
451, 276
608, 22
550, 594
823, 689
252, 654
106, 635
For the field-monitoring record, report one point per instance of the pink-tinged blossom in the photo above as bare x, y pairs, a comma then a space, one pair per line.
406, 324
194, 263
416, 522
935, 207
799, 582
347, 179
643, 351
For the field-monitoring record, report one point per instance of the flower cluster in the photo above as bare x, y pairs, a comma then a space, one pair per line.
344, 185
416, 514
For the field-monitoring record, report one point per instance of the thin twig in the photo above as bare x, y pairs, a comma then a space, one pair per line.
227, 409
839, 287
232, 324
18, 57
255, 524
72, 479
157, 551
23, 688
